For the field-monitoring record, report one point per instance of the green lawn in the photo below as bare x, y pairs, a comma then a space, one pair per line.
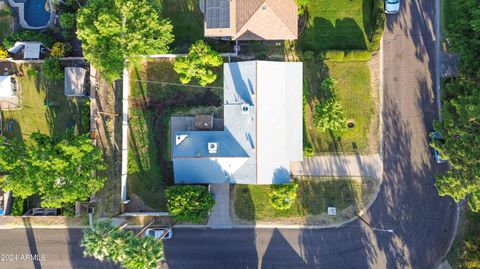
339, 24
35, 116
354, 92
6, 21
149, 138
465, 251
314, 195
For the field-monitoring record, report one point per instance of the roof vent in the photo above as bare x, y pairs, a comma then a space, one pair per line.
179, 139
264, 7
245, 109
212, 147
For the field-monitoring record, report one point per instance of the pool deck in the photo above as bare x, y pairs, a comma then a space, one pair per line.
19, 5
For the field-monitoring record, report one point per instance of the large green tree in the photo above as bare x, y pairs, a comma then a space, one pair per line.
198, 64
106, 242
189, 203
113, 31
61, 171
464, 36
460, 128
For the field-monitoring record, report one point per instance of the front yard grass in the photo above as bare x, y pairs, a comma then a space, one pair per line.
340, 24
36, 116
250, 203
354, 91
155, 96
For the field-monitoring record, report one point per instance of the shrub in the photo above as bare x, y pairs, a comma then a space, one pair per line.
18, 206
307, 150
378, 26
60, 50
3, 53
27, 35
32, 72
68, 21
329, 116
301, 4
308, 55
85, 121
190, 203
357, 55
282, 196
52, 69
333, 55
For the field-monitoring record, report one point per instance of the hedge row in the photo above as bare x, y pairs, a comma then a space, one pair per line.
350, 55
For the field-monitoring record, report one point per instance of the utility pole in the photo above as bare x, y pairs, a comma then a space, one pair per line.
373, 228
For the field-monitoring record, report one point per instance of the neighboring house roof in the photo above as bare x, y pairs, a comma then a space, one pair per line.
75, 81
6, 89
262, 134
252, 19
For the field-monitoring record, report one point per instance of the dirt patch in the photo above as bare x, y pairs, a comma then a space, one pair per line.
374, 134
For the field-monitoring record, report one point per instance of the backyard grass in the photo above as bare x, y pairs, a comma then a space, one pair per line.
155, 96
6, 21
354, 92
339, 24
314, 195
35, 116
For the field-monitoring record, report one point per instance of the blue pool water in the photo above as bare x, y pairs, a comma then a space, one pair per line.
35, 13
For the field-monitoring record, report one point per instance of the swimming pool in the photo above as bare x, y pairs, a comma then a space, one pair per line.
36, 14
33, 14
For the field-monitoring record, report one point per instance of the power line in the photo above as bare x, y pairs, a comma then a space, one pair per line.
176, 84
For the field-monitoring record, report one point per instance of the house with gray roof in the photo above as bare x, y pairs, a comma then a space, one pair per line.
261, 134
251, 19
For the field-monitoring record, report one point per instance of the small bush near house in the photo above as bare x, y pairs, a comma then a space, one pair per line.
52, 69
85, 121
68, 21
189, 203
307, 150
282, 196
302, 5
27, 35
60, 50
18, 206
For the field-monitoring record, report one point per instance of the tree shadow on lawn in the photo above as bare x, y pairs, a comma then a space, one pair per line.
346, 34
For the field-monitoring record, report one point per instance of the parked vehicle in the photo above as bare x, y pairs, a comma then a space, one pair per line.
2, 204
392, 6
157, 233
436, 155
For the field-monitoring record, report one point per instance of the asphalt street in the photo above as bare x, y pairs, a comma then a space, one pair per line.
408, 203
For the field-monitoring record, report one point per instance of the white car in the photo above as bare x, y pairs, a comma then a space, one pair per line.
158, 233
392, 6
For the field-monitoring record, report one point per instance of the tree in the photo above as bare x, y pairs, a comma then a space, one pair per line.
60, 171
460, 130
282, 196
463, 36
68, 20
106, 242
52, 69
329, 116
113, 31
198, 64
60, 50
189, 203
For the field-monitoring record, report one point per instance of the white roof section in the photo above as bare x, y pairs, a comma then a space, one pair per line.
31, 49
6, 89
263, 115
75, 81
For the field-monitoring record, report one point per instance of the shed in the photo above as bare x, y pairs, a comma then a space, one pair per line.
75, 81
6, 87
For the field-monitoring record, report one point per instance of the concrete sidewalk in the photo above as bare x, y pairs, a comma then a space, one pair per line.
220, 215
354, 165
